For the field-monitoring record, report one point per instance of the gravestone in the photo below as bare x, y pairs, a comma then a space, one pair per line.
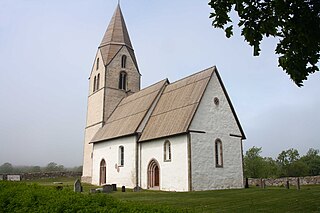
107, 188
13, 177
298, 183
287, 185
1, 177
136, 189
77, 186
123, 189
247, 183
93, 191
114, 187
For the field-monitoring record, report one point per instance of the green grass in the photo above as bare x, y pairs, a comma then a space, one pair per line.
243, 200
271, 199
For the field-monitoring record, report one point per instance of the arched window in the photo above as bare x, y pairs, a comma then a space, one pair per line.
103, 172
98, 81
97, 63
218, 153
123, 61
167, 151
94, 83
123, 80
121, 156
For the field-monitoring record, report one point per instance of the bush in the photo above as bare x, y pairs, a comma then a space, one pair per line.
20, 197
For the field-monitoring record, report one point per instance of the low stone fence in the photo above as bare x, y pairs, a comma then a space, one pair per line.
42, 175
309, 180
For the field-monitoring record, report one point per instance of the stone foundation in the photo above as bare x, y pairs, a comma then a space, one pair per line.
86, 179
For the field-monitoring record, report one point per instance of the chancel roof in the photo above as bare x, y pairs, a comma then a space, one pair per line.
176, 107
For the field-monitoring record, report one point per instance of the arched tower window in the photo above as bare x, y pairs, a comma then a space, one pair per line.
167, 151
218, 153
123, 61
94, 83
98, 81
103, 172
98, 63
121, 156
123, 80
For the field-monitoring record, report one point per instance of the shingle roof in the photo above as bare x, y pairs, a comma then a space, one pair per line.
115, 37
129, 114
160, 110
117, 31
177, 106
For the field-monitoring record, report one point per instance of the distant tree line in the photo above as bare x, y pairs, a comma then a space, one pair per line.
7, 168
287, 164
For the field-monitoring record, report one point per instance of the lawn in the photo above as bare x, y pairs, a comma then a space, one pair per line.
243, 200
272, 199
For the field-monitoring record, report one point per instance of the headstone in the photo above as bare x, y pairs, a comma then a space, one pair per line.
93, 191
107, 188
114, 187
298, 183
247, 183
287, 185
77, 186
136, 189
123, 189
1, 177
13, 177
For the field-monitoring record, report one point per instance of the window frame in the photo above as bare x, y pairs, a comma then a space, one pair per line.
167, 152
123, 80
121, 156
123, 61
218, 150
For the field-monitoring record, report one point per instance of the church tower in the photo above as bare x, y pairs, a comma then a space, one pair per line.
114, 75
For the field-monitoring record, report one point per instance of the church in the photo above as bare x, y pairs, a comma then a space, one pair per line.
171, 136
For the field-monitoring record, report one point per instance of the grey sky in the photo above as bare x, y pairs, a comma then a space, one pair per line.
47, 49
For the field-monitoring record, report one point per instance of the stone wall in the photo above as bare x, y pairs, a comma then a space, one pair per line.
42, 175
309, 180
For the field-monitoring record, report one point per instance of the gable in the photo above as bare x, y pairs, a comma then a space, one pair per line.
218, 118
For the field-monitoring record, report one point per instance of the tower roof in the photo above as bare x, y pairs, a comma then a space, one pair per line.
116, 37
117, 32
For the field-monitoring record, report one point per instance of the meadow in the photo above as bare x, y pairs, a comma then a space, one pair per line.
43, 196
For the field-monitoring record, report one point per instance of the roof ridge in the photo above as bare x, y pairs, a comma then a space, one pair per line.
204, 70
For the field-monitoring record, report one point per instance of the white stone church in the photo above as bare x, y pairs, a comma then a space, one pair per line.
180, 136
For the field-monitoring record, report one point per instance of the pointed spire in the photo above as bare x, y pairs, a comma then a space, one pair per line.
117, 32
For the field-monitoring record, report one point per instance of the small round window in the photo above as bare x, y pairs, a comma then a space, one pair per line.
216, 101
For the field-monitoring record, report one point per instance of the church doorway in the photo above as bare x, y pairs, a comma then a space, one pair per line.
153, 175
103, 172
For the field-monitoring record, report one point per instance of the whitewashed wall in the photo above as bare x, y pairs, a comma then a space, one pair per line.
109, 151
173, 174
217, 122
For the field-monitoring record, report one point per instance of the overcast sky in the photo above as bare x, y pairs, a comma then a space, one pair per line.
47, 49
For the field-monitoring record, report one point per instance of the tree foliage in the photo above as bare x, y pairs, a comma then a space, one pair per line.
287, 164
296, 23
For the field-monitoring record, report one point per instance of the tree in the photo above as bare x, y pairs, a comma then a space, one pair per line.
295, 22
312, 160
52, 167
290, 164
253, 163
6, 168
